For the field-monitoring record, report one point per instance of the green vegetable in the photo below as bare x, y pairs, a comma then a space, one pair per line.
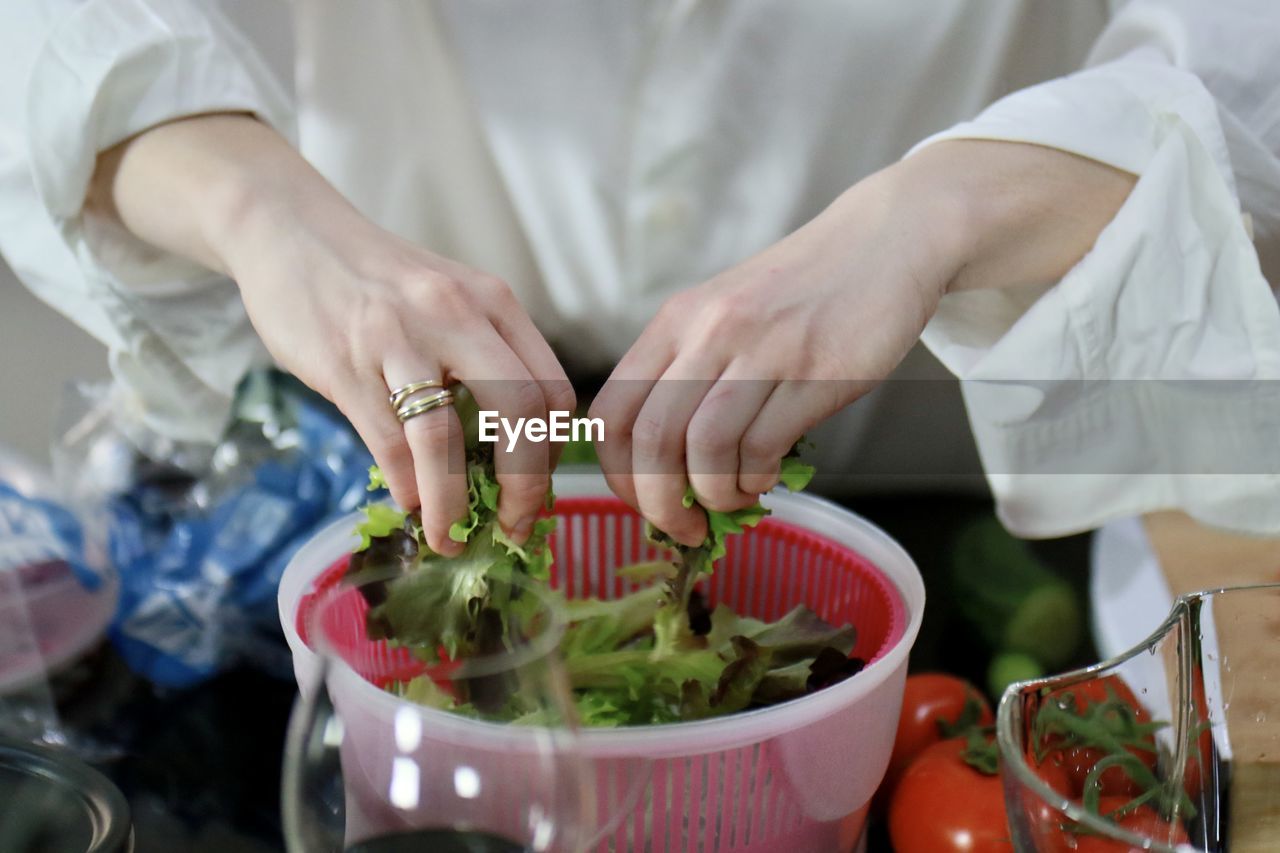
598, 626
671, 625
1008, 667
801, 635
655, 655
459, 604
740, 678
1012, 599
379, 520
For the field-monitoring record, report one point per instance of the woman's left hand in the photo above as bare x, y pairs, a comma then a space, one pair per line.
731, 373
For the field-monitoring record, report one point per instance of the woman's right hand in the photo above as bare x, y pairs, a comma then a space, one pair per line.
350, 309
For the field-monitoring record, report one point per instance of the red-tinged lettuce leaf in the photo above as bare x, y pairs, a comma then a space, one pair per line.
806, 676
741, 676
784, 683
803, 634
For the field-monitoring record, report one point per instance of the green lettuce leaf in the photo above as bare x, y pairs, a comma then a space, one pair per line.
601, 626
634, 660
431, 603
380, 520
671, 625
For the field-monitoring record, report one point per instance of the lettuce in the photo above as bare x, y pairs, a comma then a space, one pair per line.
655, 655
459, 605
671, 628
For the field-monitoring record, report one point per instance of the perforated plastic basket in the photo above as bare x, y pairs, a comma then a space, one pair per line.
793, 777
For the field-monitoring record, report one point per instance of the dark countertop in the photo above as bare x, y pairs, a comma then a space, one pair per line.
201, 767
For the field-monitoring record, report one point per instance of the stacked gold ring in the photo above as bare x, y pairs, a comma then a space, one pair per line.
406, 407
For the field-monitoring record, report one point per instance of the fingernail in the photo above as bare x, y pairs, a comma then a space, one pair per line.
448, 547
523, 528
692, 537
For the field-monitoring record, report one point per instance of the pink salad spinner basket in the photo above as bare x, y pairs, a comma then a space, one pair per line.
795, 777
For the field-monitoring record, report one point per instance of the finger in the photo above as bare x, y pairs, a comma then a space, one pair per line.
619, 403
364, 403
514, 326
714, 435
522, 466
435, 440
793, 408
658, 449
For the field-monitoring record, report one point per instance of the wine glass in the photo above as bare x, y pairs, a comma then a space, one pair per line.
1198, 697
390, 752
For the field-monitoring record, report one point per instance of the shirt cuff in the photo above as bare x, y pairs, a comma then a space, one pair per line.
1063, 385
113, 68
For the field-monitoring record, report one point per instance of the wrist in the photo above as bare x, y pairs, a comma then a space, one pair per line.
257, 192
1014, 214
245, 206
925, 217
954, 214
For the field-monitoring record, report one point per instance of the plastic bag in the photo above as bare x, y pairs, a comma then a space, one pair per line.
55, 604
200, 553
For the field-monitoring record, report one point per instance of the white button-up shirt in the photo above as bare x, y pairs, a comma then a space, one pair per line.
602, 154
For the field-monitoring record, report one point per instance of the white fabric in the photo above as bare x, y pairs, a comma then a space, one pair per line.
97, 73
1128, 594
1173, 289
601, 156
1129, 600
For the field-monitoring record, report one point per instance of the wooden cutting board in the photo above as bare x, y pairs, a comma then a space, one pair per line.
1194, 558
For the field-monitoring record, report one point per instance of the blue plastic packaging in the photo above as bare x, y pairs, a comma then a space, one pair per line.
200, 563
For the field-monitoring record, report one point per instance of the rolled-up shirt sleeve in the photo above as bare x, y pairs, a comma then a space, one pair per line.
92, 73
1146, 378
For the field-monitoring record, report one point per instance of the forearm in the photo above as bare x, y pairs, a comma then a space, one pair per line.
193, 186
1009, 214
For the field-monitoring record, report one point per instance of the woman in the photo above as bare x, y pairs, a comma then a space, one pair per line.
707, 193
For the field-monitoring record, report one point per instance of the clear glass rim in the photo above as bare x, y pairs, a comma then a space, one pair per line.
330, 664
1007, 740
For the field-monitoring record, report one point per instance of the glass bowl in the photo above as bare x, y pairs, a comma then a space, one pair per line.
1173, 745
395, 748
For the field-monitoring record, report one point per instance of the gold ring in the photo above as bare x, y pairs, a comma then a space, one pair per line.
404, 392
424, 405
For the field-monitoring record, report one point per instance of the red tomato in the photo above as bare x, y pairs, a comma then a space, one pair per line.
1143, 821
1054, 773
1101, 689
928, 698
1045, 821
1114, 781
942, 805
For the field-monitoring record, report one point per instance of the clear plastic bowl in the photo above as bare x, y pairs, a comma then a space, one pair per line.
796, 776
